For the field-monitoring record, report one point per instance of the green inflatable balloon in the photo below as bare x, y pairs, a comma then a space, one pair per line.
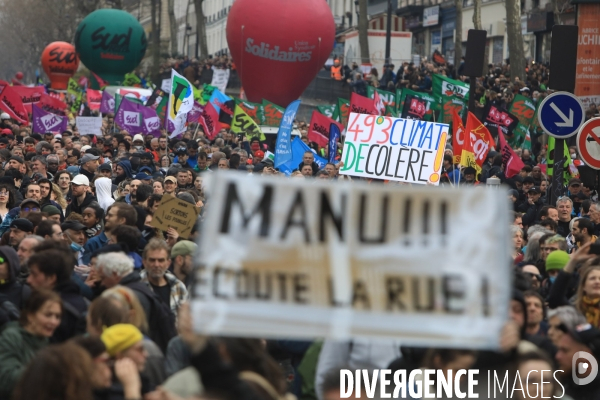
110, 43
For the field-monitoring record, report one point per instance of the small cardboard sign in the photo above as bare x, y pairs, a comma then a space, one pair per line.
175, 213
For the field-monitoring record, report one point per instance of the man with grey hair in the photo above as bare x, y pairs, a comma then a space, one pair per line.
116, 268
39, 165
26, 249
567, 315
564, 205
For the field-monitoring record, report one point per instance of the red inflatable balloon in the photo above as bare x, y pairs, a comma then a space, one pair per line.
60, 62
19, 75
279, 46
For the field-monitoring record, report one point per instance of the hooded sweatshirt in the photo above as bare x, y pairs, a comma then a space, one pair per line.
15, 291
126, 165
103, 192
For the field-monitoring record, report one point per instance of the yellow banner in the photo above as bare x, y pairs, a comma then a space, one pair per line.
243, 124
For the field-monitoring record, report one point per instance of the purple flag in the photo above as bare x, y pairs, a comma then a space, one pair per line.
44, 121
136, 118
195, 113
107, 104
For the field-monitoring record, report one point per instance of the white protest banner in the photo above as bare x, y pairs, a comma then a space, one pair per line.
290, 258
165, 86
395, 149
89, 125
220, 78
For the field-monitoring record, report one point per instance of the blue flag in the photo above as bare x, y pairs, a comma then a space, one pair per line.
283, 147
298, 150
334, 136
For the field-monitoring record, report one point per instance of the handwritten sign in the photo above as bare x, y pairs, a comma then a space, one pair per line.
396, 149
220, 78
175, 213
292, 258
89, 125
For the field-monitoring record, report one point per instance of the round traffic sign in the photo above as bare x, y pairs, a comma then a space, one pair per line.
561, 114
588, 143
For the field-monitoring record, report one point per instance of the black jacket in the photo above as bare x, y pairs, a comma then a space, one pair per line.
131, 281
13, 290
72, 321
74, 207
531, 211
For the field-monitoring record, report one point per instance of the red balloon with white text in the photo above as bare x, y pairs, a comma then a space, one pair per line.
279, 46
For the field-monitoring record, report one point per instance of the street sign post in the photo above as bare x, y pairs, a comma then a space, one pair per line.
561, 114
588, 143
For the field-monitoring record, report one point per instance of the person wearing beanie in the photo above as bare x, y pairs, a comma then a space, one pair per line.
555, 262
53, 212
126, 342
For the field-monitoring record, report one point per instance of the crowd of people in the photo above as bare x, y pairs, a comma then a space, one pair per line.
94, 300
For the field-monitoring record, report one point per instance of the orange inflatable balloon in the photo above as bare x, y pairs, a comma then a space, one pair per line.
60, 62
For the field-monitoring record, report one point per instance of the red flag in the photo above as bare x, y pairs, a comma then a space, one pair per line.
94, 98
210, 121
52, 104
318, 131
478, 143
11, 102
362, 105
512, 162
101, 82
378, 104
458, 136
29, 95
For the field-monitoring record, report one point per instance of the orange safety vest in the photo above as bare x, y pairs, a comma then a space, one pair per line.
336, 72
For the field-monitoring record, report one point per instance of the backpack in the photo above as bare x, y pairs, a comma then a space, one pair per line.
79, 317
161, 321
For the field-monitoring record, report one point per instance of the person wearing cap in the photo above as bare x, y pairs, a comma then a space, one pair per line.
182, 157
17, 163
578, 356
170, 185
532, 207
138, 143
144, 177
19, 228
182, 261
469, 175
81, 196
147, 161
88, 165
574, 187
105, 170
11, 288
74, 234
28, 206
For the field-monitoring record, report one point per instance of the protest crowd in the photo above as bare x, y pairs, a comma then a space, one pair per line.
95, 292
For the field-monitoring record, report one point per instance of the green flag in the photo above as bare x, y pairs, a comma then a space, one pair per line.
243, 124
273, 113
77, 103
444, 86
256, 111
448, 105
207, 91
388, 98
550, 160
73, 87
131, 79
327, 110
342, 111
432, 104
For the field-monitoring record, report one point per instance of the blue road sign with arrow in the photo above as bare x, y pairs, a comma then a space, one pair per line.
561, 114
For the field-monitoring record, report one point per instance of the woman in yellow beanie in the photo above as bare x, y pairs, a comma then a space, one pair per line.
125, 341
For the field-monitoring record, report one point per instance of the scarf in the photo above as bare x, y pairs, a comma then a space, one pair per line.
591, 310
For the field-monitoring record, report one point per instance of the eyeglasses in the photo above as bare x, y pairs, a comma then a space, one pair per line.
27, 209
3, 193
532, 275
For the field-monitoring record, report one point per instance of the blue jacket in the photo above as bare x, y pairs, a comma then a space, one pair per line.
92, 245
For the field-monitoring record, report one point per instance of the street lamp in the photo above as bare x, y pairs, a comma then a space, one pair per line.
388, 33
356, 8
